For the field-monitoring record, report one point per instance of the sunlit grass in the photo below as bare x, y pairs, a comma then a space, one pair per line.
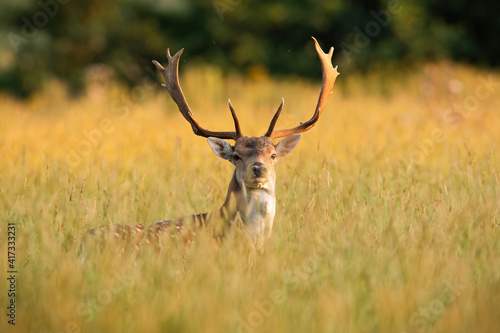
387, 219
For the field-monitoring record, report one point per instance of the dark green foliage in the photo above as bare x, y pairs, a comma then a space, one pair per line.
62, 38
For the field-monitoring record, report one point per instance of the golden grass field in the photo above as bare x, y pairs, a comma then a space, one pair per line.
387, 211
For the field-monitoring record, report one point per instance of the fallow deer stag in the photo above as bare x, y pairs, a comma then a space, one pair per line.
251, 194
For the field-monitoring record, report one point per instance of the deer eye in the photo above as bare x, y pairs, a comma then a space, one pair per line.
273, 156
236, 157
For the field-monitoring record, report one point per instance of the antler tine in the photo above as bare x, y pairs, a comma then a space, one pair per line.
329, 76
275, 119
171, 76
235, 119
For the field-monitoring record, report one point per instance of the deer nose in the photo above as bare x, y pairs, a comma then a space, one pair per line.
258, 169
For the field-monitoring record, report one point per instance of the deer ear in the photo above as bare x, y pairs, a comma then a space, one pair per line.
221, 148
287, 144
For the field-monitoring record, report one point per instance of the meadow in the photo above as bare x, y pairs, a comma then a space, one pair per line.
387, 211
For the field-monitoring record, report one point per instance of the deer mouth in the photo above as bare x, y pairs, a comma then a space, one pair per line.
256, 182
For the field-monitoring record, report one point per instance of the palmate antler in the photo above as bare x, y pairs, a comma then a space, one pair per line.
329, 76
171, 75
173, 87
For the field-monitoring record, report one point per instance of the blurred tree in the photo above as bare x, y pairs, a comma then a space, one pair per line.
62, 38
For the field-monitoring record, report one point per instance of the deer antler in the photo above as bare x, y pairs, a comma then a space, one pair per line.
329, 75
171, 75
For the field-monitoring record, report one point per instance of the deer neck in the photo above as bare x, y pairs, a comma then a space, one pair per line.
254, 206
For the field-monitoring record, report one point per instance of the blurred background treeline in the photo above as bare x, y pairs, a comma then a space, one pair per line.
64, 39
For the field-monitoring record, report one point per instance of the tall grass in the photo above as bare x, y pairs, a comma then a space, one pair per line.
387, 211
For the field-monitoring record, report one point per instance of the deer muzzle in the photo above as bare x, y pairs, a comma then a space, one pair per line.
257, 175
